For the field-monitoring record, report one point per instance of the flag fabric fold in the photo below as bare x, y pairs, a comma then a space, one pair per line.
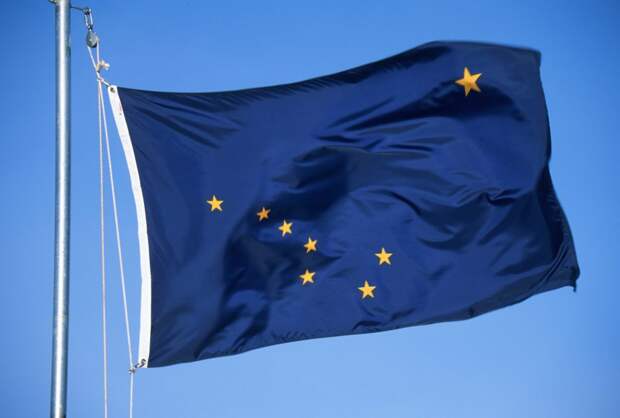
408, 191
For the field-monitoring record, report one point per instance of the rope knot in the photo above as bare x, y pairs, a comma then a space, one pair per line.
102, 65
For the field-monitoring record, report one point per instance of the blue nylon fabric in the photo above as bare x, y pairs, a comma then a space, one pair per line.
391, 154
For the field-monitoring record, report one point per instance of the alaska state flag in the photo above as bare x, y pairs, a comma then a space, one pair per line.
408, 191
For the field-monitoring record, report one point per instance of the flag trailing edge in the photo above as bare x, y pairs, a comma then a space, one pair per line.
408, 191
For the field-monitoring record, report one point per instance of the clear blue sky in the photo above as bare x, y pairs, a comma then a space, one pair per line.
556, 355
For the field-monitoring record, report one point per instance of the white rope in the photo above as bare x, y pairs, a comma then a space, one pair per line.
98, 65
119, 251
103, 275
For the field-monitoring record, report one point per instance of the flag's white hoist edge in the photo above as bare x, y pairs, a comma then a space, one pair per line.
143, 242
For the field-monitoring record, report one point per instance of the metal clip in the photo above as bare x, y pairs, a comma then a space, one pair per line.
135, 367
91, 37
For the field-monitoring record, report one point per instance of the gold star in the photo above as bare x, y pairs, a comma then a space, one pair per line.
367, 290
469, 81
286, 227
215, 204
263, 214
310, 245
307, 277
384, 257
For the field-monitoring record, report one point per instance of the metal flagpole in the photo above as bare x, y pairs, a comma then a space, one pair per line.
63, 172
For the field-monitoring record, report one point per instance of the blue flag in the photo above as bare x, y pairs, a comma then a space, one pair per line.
408, 191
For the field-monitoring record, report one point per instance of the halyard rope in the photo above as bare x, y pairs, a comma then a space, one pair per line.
103, 271
118, 247
98, 65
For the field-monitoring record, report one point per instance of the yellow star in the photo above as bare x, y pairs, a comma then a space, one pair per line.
469, 81
367, 290
215, 204
384, 257
263, 214
307, 277
310, 245
286, 227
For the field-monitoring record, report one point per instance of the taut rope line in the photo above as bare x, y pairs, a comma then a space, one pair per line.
93, 42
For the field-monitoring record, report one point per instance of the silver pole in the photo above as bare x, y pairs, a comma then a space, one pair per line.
63, 174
